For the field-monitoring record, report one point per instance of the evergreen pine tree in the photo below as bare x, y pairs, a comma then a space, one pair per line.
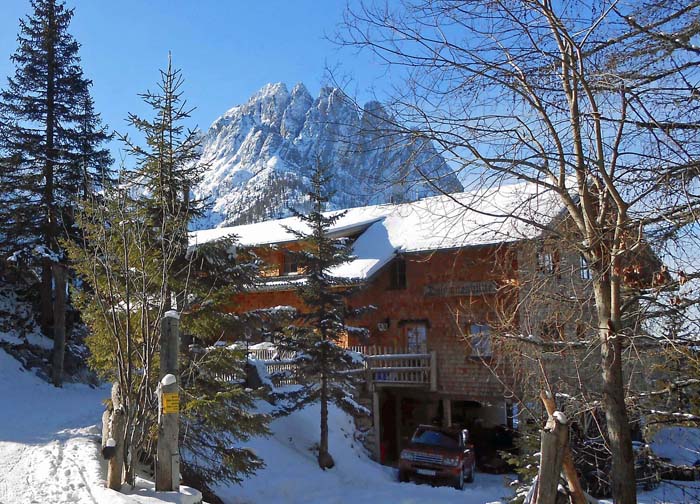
166, 169
321, 363
46, 128
138, 233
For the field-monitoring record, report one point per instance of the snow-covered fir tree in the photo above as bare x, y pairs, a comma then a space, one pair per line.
49, 129
321, 363
138, 233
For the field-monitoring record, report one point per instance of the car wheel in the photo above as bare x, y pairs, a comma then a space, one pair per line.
403, 476
459, 481
470, 475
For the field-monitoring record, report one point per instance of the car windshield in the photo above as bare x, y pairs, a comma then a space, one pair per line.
435, 438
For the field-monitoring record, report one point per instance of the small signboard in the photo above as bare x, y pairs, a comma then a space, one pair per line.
171, 402
460, 289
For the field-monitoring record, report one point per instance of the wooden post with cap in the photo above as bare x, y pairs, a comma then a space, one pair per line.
167, 452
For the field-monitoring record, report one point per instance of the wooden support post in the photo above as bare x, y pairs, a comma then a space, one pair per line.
446, 412
376, 411
577, 494
369, 376
555, 436
433, 371
397, 421
167, 451
59, 323
113, 425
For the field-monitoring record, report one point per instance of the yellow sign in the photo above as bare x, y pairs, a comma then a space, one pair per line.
171, 402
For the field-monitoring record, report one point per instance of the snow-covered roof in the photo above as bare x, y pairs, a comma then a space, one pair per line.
486, 216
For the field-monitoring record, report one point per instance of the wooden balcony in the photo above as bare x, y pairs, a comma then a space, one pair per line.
385, 369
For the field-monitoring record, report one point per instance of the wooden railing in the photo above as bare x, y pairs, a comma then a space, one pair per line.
380, 349
402, 370
382, 367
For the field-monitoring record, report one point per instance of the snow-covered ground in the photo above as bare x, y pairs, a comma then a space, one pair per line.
49, 443
680, 445
49, 453
292, 474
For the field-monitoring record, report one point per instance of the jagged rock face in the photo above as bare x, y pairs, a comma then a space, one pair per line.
260, 156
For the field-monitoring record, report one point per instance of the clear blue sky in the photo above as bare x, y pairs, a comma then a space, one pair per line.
226, 49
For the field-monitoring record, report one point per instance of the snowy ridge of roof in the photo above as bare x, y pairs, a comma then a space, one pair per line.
486, 216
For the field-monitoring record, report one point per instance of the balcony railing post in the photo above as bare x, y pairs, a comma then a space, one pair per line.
433, 371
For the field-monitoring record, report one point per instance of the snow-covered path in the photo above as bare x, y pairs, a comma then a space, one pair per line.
45, 434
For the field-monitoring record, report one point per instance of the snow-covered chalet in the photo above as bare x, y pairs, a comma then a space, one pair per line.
436, 271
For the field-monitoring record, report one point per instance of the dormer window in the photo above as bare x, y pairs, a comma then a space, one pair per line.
398, 274
290, 264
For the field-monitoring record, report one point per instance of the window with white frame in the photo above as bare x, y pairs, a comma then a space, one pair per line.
545, 261
480, 340
584, 269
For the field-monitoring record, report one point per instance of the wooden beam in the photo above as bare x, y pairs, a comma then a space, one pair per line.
433, 371
376, 411
446, 412
167, 450
555, 436
577, 494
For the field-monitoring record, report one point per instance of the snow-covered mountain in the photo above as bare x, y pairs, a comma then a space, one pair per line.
260, 155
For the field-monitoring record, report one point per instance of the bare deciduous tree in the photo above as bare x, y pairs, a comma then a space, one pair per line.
596, 101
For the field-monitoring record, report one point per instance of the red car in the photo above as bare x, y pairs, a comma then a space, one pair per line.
439, 454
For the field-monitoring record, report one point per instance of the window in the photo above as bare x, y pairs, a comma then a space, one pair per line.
417, 338
398, 274
584, 270
481, 340
290, 265
548, 262
545, 262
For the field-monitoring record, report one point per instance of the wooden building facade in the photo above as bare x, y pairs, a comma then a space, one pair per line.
440, 279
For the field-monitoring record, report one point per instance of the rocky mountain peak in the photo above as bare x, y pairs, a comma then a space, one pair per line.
259, 155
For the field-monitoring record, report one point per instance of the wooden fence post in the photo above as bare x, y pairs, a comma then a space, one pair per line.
113, 425
167, 451
555, 435
577, 494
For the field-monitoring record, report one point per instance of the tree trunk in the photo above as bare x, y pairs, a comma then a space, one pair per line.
115, 467
325, 461
59, 324
50, 224
623, 477
46, 297
624, 488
